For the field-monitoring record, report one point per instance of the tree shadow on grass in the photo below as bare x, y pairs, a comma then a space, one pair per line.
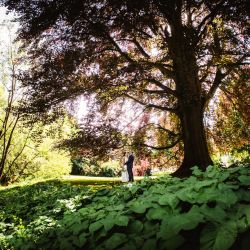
38, 199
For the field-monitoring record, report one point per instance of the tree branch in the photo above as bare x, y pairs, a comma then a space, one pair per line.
140, 48
163, 147
219, 76
19, 153
210, 16
150, 105
122, 53
162, 86
216, 83
161, 67
158, 92
158, 126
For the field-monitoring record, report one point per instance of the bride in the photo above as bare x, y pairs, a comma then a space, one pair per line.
124, 169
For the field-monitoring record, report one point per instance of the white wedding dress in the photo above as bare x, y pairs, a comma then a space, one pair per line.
124, 174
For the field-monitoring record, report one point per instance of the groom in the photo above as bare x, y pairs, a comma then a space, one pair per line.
129, 164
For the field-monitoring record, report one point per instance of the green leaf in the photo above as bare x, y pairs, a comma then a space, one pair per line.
128, 246
223, 176
65, 244
77, 228
224, 186
244, 170
114, 218
95, 226
157, 189
204, 183
100, 234
169, 199
83, 211
219, 237
134, 189
80, 241
119, 207
242, 225
150, 244
137, 240
115, 240
173, 242
227, 196
100, 214
102, 192
127, 196
187, 194
135, 226
108, 223
211, 172
150, 229
244, 210
196, 171
99, 206
243, 195
172, 225
139, 207
122, 220
213, 214
157, 213
244, 179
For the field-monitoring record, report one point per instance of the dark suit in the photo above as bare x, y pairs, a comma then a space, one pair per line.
129, 164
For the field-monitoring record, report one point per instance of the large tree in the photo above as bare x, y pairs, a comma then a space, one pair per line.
166, 55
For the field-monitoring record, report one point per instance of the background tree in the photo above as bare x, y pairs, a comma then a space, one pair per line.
231, 129
165, 55
27, 150
10, 92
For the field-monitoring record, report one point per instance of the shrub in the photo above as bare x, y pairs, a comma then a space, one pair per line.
235, 157
142, 169
83, 166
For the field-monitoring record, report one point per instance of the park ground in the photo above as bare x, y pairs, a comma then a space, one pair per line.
209, 210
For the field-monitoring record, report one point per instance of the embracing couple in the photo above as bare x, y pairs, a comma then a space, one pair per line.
127, 173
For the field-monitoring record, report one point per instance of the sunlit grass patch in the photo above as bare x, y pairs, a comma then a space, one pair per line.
89, 180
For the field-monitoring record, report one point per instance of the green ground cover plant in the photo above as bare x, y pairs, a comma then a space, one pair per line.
209, 210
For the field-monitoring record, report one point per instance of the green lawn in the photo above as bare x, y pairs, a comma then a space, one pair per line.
77, 180
90, 180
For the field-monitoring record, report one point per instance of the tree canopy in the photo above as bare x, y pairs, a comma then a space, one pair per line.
170, 56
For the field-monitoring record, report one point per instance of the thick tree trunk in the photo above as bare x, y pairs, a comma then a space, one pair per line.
195, 145
182, 49
1, 171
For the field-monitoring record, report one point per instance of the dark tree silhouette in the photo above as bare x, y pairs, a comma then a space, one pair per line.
166, 55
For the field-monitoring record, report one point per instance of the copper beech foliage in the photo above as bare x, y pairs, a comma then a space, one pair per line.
170, 56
